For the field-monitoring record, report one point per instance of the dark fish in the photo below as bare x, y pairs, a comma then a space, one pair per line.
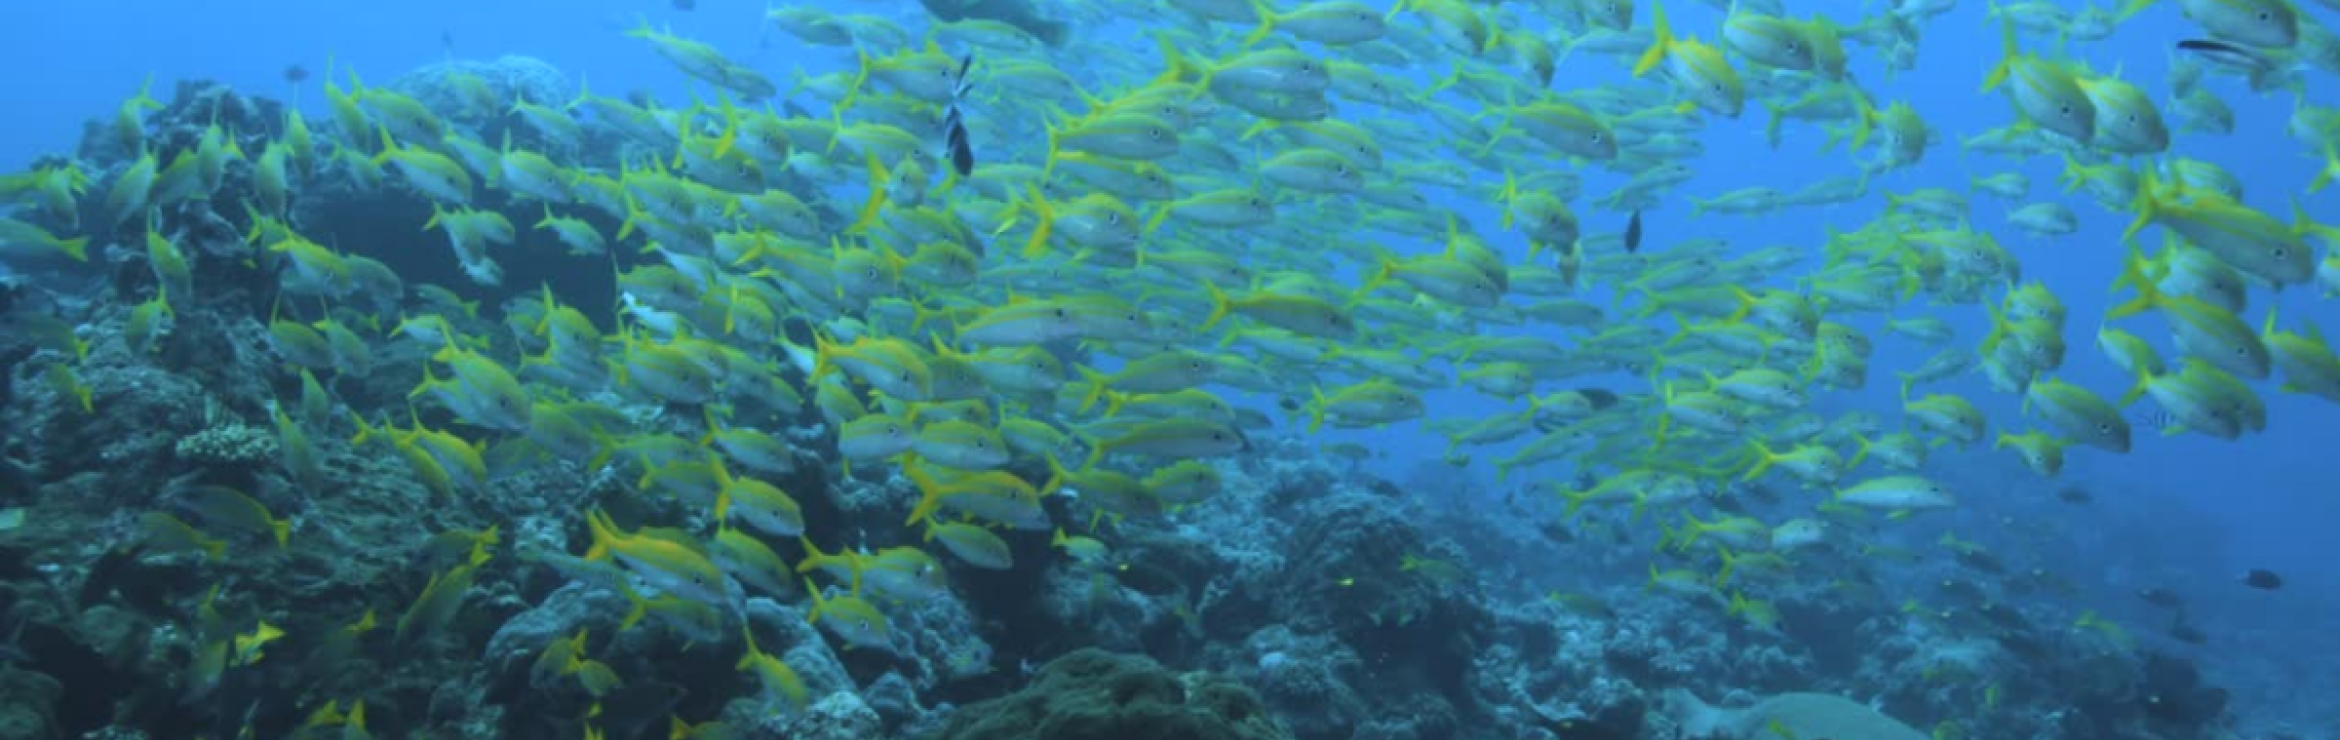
1981, 561
1633, 233
1287, 404
2161, 597
2224, 54
2074, 495
962, 156
2262, 579
2004, 617
954, 124
1731, 504
686, 4
1554, 530
1600, 398
296, 74
2185, 633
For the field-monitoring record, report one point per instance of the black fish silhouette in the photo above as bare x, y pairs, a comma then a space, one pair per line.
2262, 579
955, 126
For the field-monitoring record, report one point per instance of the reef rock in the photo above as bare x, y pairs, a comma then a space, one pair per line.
1095, 695
27, 705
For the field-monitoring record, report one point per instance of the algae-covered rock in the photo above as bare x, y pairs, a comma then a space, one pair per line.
27, 705
228, 445
1309, 680
838, 716
1796, 715
1095, 695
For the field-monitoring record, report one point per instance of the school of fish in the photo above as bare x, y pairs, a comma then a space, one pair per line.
1007, 271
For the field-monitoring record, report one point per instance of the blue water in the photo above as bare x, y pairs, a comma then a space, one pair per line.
2187, 513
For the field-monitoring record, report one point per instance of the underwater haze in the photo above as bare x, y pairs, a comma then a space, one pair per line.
1065, 369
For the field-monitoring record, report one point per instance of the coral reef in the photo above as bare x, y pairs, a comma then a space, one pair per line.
222, 537
1091, 694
